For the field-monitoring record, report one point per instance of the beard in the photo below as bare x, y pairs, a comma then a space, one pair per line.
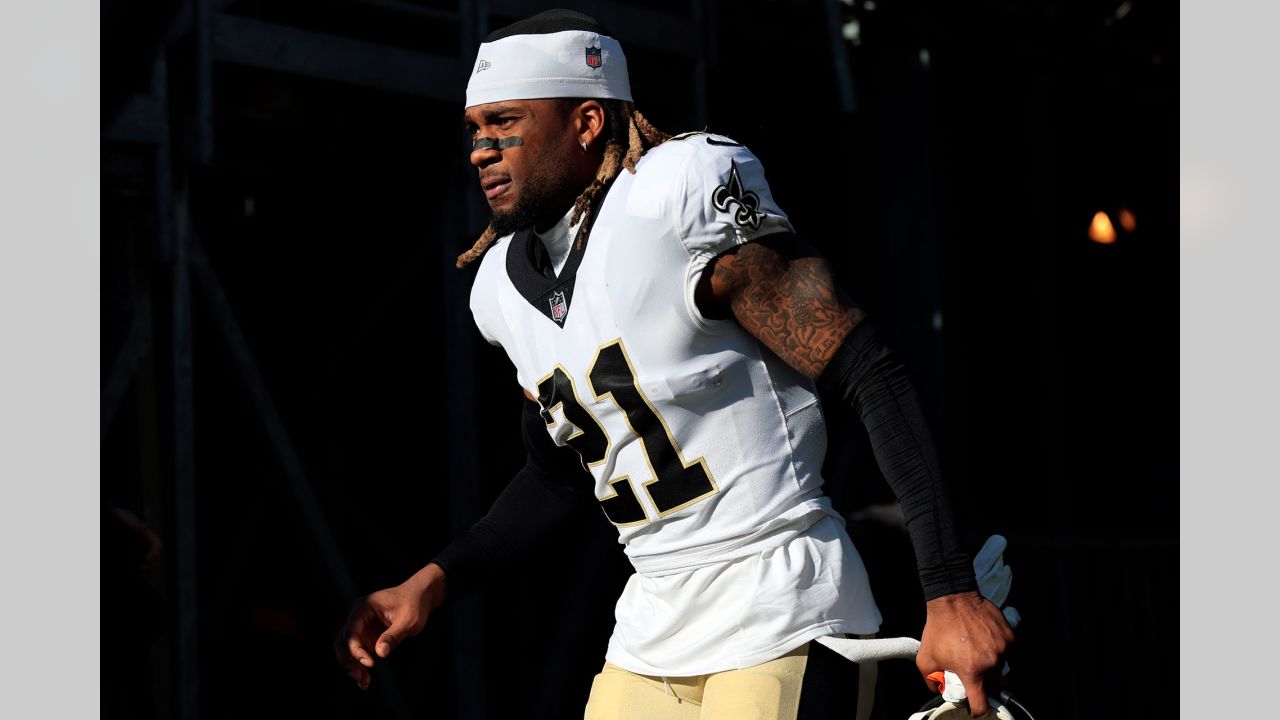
536, 202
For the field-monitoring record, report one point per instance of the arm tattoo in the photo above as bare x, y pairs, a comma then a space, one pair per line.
788, 302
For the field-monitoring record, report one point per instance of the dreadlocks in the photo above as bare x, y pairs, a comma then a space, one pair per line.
629, 137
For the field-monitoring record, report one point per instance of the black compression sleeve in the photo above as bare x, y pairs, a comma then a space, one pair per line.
868, 376
545, 493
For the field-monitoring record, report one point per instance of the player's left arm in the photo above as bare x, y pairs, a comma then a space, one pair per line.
781, 290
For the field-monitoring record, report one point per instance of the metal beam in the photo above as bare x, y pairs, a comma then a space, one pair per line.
408, 9
138, 121
313, 515
148, 382
276, 47
840, 56
131, 350
183, 423
204, 82
464, 503
460, 399
216, 298
163, 161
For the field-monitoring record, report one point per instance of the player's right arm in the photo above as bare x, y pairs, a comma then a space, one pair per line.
382, 620
550, 488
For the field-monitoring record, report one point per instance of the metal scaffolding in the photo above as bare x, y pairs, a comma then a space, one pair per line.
173, 122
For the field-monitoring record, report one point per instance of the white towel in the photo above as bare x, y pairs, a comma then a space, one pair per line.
994, 580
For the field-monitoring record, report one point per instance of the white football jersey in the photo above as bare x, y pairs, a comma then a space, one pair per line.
704, 446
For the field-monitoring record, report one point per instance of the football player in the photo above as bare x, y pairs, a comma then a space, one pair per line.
671, 334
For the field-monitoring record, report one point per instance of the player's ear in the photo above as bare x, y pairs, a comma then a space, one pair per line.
589, 121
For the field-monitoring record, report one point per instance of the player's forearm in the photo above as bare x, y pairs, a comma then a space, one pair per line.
868, 376
525, 512
542, 496
431, 585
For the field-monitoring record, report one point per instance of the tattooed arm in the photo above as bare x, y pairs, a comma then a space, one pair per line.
782, 292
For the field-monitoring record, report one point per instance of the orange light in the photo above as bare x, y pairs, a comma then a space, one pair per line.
1101, 230
1127, 220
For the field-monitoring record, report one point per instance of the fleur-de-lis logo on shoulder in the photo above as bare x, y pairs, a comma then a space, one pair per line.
726, 195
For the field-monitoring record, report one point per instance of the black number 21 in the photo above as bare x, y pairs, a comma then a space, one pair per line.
676, 484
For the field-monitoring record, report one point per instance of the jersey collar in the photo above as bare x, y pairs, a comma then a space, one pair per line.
529, 269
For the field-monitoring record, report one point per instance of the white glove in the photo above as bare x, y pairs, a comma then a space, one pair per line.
994, 577
994, 580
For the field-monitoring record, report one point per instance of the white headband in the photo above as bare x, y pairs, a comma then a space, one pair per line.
572, 63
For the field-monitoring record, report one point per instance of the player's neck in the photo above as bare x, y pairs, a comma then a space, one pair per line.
550, 219
558, 241
570, 189
555, 229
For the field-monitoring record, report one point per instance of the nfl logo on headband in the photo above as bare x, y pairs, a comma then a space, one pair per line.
554, 54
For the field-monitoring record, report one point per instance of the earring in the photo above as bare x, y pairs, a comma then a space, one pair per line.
584, 145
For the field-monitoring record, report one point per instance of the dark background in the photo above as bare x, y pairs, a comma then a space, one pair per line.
296, 402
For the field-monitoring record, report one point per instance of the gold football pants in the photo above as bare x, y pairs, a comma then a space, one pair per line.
768, 691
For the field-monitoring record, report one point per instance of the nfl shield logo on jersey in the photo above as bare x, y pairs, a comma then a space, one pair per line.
559, 308
594, 58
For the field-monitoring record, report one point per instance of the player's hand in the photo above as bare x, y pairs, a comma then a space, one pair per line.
379, 622
966, 634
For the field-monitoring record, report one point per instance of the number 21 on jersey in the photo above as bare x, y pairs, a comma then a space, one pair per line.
674, 483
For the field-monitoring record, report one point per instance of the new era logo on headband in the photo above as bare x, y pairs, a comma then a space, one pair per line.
594, 58
484, 65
